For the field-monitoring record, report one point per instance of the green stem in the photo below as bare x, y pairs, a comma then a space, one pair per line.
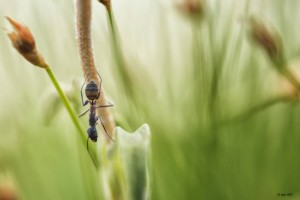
125, 77
66, 103
259, 108
71, 112
290, 76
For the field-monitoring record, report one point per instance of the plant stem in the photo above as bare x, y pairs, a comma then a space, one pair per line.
291, 78
259, 108
66, 104
125, 77
84, 41
71, 112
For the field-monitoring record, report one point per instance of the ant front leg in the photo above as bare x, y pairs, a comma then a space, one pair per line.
87, 101
82, 114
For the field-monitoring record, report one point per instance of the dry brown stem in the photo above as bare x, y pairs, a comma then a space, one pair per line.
83, 14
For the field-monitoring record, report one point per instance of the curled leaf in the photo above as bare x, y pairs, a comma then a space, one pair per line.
127, 168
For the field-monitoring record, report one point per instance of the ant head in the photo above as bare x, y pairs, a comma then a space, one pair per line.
92, 132
91, 91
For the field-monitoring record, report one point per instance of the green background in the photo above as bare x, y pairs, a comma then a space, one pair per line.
191, 75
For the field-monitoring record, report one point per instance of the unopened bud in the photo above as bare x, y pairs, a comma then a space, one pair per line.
23, 41
106, 3
269, 40
192, 7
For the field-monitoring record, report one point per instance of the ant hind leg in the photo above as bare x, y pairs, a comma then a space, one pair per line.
105, 106
105, 129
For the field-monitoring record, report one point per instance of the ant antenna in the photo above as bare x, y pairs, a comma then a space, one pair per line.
100, 79
87, 147
100, 84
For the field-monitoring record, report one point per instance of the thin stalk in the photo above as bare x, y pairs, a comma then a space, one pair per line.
121, 68
71, 112
84, 41
125, 77
199, 72
291, 78
258, 108
66, 103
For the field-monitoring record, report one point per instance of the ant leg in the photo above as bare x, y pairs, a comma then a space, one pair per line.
105, 128
82, 114
87, 101
105, 106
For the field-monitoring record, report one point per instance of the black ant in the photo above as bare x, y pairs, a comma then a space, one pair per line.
93, 93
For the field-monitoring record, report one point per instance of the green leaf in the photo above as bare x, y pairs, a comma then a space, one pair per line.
126, 172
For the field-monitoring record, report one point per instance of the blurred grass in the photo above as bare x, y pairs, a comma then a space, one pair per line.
182, 68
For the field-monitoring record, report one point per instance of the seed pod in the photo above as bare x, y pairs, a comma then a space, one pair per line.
269, 40
193, 8
106, 3
23, 41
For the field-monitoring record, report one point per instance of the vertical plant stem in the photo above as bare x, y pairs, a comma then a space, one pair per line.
83, 15
121, 67
125, 77
199, 73
216, 72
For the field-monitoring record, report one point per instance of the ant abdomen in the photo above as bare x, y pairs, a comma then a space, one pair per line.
92, 91
92, 132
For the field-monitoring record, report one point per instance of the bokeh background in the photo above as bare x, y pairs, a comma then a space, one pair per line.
194, 72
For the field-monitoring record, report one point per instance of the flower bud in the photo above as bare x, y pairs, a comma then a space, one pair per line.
192, 7
23, 41
269, 40
106, 3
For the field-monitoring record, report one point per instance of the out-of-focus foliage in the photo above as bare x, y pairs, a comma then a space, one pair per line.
126, 170
191, 75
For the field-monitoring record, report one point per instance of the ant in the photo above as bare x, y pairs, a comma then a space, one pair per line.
93, 93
